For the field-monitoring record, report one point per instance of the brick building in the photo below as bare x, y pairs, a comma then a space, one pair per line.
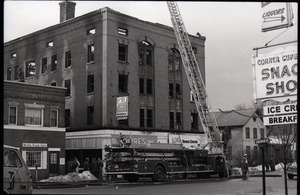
103, 57
33, 118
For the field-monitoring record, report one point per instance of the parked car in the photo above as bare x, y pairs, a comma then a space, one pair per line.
16, 176
292, 170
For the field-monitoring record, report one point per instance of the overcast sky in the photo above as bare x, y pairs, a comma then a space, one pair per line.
232, 30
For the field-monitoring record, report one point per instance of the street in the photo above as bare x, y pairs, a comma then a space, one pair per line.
237, 186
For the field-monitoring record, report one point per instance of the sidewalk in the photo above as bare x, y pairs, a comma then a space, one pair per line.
260, 174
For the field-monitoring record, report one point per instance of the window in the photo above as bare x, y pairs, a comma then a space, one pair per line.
178, 120
90, 83
171, 90
8, 74
49, 44
11, 159
177, 64
13, 55
67, 59
174, 60
53, 84
53, 118
44, 65
123, 82
149, 86
67, 117
172, 120
142, 117
122, 31
123, 52
91, 53
262, 133
54, 63
170, 62
145, 53
16, 72
178, 91
33, 159
247, 133
53, 158
30, 68
12, 115
194, 121
68, 86
149, 118
254, 133
91, 31
142, 84
90, 115
33, 116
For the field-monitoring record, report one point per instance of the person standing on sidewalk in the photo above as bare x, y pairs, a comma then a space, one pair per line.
245, 167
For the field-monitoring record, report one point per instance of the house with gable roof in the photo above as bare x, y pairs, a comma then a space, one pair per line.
240, 129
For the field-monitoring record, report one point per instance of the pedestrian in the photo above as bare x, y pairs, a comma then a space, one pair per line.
272, 164
77, 165
86, 164
245, 167
94, 167
100, 167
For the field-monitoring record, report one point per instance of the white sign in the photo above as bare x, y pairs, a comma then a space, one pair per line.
280, 119
61, 161
188, 141
276, 74
39, 145
280, 109
276, 15
122, 106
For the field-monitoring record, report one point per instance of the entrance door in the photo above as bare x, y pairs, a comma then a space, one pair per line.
53, 164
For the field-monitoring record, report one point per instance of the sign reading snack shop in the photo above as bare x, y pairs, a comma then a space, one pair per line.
276, 74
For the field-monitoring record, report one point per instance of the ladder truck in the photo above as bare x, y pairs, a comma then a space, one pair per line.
195, 81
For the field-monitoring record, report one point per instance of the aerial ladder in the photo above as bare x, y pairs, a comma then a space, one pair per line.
195, 80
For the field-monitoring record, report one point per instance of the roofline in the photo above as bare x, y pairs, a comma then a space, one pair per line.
32, 84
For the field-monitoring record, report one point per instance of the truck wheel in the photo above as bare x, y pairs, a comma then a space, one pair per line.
290, 176
159, 173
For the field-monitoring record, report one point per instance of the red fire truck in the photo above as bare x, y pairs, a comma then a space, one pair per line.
159, 161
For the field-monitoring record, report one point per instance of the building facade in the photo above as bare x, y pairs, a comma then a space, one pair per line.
240, 129
33, 118
102, 57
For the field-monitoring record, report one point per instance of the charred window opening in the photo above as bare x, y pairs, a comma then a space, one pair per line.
50, 44
91, 53
8, 77
44, 65
30, 68
145, 53
90, 83
91, 31
54, 63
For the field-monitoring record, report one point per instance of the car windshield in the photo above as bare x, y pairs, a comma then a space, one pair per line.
11, 159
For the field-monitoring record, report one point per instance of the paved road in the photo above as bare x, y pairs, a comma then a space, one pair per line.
253, 186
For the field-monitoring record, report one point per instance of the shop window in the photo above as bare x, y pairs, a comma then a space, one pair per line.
90, 83
53, 118
68, 59
8, 77
123, 50
54, 63
90, 115
123, 83
68, 86
33, 116
30, 68
122, 31
254, 133
12, 119
44, 65
247, 133
91, 53
67, 117
33, 159
91, 31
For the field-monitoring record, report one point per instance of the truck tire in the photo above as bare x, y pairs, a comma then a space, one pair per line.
290, 176
159, 173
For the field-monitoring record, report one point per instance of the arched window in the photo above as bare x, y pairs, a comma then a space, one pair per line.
145, 53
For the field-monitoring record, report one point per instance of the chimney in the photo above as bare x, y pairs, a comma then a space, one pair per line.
67, 10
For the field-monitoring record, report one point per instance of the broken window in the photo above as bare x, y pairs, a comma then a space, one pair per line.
90, 83
13, 55
49, 44
178, 91
44, 65
122, 31
91, 53
91, 31
123, 83
123, 52
145, 53
30, 68
68, 86
68, 59
54, 63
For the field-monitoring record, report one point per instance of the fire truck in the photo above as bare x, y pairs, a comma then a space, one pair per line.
161, 161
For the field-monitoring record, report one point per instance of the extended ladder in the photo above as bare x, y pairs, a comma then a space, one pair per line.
194, 77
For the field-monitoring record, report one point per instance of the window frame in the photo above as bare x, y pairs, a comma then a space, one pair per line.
30, 65
247, 132
9, 115
91, 53
41, 117
44, 65
67, 117
56, 118
125, 54
68, 91
123, 87
91, 31
8, 73
68, 59
54, 63
90, 85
